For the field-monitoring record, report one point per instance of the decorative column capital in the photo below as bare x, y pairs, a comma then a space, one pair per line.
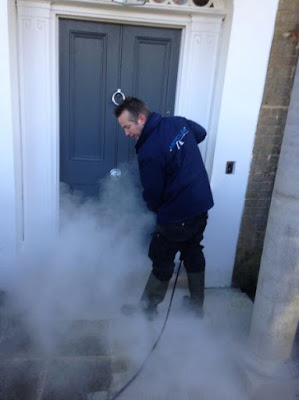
32, 8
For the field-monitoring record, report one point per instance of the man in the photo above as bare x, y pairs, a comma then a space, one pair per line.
177, 189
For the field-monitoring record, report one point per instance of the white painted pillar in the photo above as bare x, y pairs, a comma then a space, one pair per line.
36, 88
276, 307
8, 231
194, 97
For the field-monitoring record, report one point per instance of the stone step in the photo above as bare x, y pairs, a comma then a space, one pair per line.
74, 362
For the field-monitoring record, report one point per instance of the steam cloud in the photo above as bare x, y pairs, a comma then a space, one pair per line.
97, 262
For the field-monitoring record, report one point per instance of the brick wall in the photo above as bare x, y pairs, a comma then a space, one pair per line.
270, 129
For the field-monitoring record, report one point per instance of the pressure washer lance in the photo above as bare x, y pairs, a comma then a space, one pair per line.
115, 173
121, 390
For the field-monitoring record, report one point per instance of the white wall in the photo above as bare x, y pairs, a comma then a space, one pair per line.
8, 232
249, 48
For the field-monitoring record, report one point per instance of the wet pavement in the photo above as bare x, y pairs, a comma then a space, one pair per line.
77, 364
92, 359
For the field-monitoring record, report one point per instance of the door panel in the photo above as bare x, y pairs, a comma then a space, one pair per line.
152, 55
89, 63
95, 60
87, 132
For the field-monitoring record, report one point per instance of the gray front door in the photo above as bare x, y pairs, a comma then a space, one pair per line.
96, 59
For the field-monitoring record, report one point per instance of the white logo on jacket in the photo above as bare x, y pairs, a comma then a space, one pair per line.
180, 143
178, 140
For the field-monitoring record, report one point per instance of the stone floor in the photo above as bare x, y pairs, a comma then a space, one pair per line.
200, 359
92, 360
77, 363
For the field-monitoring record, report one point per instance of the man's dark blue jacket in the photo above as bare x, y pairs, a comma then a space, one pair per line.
172, 172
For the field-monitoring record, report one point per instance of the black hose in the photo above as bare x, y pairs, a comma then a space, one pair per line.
121, 390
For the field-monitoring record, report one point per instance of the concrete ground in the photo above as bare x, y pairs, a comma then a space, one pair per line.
190, 351
91, 360
205, 359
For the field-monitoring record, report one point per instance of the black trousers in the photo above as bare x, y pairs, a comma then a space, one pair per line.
184, 237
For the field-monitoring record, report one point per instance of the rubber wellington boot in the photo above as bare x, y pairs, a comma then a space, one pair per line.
194, 302
153, 294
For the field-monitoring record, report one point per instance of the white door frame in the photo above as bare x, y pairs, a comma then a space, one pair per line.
39, 91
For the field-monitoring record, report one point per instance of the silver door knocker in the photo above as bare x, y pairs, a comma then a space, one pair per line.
118, 93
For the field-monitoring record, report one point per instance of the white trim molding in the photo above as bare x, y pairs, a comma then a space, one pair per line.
38, 155
8, 202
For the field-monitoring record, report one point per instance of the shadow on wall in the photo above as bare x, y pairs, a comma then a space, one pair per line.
246, 272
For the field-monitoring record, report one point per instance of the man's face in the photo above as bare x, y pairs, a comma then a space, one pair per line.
131, 128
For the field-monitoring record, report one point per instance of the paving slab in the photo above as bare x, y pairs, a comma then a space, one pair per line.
194, 360
20, 379
75, 378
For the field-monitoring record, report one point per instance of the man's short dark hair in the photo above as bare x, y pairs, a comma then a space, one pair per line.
134, 106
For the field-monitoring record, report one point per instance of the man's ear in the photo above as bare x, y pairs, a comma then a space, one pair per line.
142, 118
